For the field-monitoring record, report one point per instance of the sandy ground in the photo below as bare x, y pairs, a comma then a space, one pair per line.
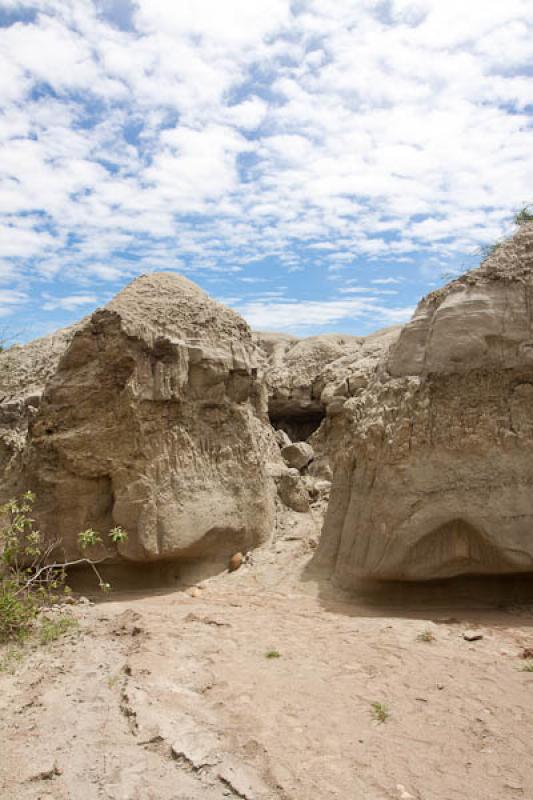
168, 696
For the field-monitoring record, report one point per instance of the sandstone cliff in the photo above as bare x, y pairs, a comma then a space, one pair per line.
434, 473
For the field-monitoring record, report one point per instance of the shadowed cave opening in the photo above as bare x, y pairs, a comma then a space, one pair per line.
298, 425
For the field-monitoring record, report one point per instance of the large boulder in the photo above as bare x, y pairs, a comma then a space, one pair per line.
297, 454
153, 418
434, 474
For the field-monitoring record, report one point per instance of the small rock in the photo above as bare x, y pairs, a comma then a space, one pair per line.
235, 562
472, 636
84, 601
403, 794
195, 592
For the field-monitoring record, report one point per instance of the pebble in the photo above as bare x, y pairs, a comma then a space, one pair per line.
235, 562
472, 636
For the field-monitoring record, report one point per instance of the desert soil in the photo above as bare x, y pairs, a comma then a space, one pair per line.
172, 695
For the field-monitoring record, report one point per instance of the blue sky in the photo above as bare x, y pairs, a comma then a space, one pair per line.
317, 165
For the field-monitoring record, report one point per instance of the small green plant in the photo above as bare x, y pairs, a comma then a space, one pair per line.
380, 712
31, 576
52, 629
118, 535
272, 654
527, 667
426, 636
89, 538
524, 216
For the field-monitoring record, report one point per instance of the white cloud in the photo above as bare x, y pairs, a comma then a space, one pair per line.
70, 302
212, 133
301, 315
10, 299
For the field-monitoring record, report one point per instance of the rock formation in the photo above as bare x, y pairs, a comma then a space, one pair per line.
150, 415
154, 414
434, 472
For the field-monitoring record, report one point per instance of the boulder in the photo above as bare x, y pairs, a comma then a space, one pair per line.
293, 492
434, 473
153, 417
297, 455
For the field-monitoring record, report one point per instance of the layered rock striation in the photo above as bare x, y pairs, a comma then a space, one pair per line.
434, 474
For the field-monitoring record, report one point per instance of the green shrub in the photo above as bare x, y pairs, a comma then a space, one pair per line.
16, 613
30, 577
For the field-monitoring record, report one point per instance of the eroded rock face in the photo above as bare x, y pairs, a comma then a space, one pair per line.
310, 380
24, 371
295, 368
434, 476
154, 419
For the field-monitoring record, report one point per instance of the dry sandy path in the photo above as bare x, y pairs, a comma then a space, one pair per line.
172, 697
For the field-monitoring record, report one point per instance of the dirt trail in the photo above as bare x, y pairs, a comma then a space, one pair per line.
168, 696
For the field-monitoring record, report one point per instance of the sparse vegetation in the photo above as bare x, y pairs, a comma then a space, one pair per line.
272, 654
426, 636
52, 629
524, 215
527, 667
380, 712
30, 577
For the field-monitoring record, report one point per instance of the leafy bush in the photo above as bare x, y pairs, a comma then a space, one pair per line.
29, 575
